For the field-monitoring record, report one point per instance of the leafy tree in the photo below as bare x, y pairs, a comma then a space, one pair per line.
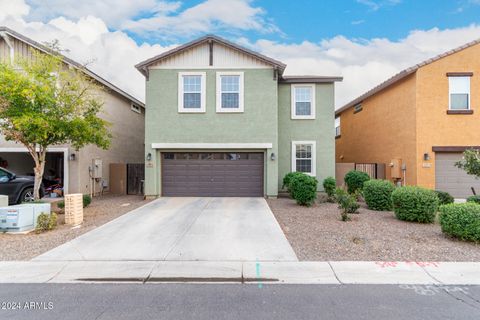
470, 162
45, 103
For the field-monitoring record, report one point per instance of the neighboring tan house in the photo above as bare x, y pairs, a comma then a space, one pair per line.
85, 170
222, 120
418, 123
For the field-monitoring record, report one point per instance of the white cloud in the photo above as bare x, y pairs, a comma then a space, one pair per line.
375, 5
13, 8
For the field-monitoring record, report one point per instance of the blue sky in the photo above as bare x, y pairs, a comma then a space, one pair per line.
365, 41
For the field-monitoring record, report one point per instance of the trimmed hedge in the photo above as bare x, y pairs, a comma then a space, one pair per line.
461, 220
415, 204
475, 199
444, 197
329, 185
288, 179
355, 180
303, 189
378, 194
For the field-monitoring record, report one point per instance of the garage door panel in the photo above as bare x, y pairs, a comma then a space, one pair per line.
217, 174
452, 179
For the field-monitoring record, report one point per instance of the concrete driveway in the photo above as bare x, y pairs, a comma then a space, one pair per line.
207, 229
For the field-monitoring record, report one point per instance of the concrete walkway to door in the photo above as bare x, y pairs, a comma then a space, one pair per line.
188, 229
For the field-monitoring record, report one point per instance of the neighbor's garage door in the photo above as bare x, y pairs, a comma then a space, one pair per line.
452, 179
218, 174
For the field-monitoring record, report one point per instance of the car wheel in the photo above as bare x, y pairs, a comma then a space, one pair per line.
27, 195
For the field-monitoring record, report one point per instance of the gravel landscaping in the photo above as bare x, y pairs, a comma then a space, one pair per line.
316, 233
101, 210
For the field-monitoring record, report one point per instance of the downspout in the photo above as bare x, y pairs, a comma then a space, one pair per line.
5, 37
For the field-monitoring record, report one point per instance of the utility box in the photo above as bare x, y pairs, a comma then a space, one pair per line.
3, 200
97, 168
396, 169
22, 217
73, 209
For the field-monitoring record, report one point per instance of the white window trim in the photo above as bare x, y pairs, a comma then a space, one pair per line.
312, 115
136, 108
314, 156
202, 108
219, 93
450, 93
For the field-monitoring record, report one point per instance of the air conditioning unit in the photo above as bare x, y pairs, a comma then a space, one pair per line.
22, 217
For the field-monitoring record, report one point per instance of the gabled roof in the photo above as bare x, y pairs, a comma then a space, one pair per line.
403, 74
143, 66
71, 62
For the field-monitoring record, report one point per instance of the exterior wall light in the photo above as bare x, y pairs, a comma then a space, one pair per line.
273, 156
426, 156
72, 157
149, 156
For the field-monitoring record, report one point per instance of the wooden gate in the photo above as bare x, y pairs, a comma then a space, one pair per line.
135, 178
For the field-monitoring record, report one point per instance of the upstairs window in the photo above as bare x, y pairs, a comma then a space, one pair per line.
191, 92
337, 127
230, 92
459, 92
303, 157
303, 101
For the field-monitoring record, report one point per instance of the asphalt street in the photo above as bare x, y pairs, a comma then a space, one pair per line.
235, 301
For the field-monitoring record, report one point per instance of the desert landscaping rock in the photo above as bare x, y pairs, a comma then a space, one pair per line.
101, 210
317, 234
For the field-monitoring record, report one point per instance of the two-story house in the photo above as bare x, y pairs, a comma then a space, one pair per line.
86, 170
223, 120
418, 123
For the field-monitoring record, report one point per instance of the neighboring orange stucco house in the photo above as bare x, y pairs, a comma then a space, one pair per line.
418, 123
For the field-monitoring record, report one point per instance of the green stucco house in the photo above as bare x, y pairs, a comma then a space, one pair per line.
222, 120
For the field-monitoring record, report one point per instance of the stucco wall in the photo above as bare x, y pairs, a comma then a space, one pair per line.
383, 130
257, 124
434, 126
321, 130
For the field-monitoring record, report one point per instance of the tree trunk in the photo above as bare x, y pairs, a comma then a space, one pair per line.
39, 159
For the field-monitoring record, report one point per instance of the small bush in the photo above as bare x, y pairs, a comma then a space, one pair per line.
288, 179
378, 194
444, 197
46, 222
415, 204
475, 199
355, 180
461, 220
329, 185
346, 202
86, 202
303, 189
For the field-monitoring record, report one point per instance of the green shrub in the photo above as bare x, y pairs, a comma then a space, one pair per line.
303, 189
347, 202
288, 179
415, 204
461, 220
329, 185
46, 222
86, 202
444, 197
378, 194
475, 199
355, 180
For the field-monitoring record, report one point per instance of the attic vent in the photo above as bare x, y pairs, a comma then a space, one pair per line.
136, 108
357, 108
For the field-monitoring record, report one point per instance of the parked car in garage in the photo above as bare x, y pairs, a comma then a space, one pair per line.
18, 188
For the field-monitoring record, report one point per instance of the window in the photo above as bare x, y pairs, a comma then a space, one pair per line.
303, 101
191, 92
136, 108
303, 157
230, 92
459, 91
337, 127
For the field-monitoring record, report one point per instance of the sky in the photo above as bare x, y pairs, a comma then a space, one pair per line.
365, 41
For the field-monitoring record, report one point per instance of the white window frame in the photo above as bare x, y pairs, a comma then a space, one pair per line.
240, 108
339, 126
293, 102
136, 108
450, 92
313, 173
203, 82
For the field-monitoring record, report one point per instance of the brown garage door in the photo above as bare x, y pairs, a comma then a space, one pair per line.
452, 179
232, 174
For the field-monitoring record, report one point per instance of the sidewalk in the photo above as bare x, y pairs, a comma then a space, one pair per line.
333, 272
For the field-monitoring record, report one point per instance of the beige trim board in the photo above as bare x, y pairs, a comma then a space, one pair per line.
212, 145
